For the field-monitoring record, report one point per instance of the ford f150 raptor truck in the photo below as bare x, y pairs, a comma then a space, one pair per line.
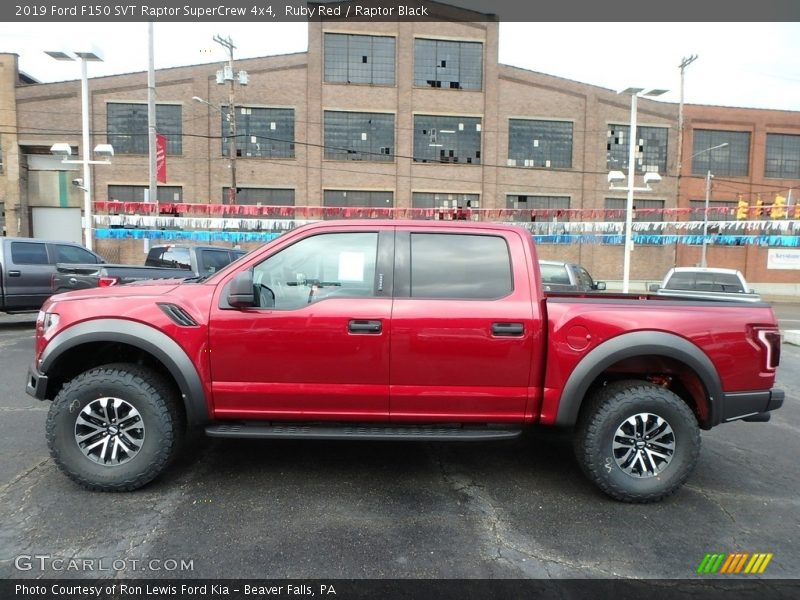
388, 330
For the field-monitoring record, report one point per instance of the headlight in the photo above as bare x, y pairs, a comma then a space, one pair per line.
49, 321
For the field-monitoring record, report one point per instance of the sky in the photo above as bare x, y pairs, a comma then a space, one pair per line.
754, 65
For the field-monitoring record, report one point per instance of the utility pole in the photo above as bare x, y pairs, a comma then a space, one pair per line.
684, 63
152, 194
228, 75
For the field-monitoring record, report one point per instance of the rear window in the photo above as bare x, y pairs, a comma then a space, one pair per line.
29, 253
169, 258
459, 266
554, 274
705, 282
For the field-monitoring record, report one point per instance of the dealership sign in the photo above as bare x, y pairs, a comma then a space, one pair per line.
783, 259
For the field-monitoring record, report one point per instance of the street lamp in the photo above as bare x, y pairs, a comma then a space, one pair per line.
709, 176
105, 149
648, 178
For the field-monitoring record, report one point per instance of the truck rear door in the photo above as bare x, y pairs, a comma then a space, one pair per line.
463, 326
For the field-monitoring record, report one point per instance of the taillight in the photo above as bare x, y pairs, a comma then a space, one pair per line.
770, 340
107, 281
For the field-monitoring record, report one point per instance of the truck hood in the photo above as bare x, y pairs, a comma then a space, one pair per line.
155, 287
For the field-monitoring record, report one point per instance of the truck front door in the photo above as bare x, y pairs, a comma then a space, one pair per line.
316, 346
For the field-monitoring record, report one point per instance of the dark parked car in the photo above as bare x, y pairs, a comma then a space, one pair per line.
27, 267
560, 276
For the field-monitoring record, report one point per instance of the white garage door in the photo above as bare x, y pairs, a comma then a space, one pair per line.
57, 224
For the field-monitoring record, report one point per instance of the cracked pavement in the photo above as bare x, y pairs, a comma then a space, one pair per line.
520, 509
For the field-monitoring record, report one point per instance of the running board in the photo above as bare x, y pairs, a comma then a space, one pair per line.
315, 431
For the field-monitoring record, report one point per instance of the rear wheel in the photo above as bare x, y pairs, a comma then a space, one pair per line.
636, 441
114, 428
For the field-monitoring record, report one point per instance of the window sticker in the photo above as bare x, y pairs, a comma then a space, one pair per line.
351, 266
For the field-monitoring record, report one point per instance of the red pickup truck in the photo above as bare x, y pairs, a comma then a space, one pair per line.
396, 330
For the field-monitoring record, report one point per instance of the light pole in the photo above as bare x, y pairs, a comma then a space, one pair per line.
103, 149
648, 178
709, 176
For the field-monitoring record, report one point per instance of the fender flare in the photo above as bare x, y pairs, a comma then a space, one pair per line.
145, 338
638, 343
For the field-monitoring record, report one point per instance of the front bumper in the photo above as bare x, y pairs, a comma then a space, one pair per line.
37, 383
751, 406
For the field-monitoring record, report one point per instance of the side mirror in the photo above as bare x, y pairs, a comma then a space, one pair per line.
654, 287
240, 293
600, 286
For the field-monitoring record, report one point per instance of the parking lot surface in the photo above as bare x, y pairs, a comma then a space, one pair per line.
287, 509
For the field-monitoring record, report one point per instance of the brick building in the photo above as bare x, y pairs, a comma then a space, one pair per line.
408, 115
758, 163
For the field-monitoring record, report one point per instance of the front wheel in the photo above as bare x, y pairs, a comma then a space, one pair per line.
114, 428
636, 441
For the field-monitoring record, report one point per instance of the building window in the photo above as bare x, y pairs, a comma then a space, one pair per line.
447, 64
447, 139
539, 143
127, 127
643, 210
260, 132
732, 160
458, 266
651, 148
359, 59
783, 156
359, 136
358, 198
557, 207
261, 196
445, 205
135, 193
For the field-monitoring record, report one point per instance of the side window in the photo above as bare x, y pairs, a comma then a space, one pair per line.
554, 274
318, 267
73, 254
29, 253
214, 260
170, 258
460, 266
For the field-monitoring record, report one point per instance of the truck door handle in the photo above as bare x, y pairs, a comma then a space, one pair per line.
359, 326
14, 273
508, 329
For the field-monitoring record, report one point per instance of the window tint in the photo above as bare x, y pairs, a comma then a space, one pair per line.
73, 254
169, 258
29, 253
584, 279
213, 260
316, 268
459, 266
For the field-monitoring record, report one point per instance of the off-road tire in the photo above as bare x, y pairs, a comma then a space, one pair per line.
599, 422
140, 387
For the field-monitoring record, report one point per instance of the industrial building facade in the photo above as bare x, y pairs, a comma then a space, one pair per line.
414, 119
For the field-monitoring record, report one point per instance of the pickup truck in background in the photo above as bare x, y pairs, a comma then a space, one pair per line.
396, 330
560, 276
163, 262
27, 266
708, 283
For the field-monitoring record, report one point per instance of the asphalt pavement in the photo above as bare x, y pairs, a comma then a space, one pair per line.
290, 509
